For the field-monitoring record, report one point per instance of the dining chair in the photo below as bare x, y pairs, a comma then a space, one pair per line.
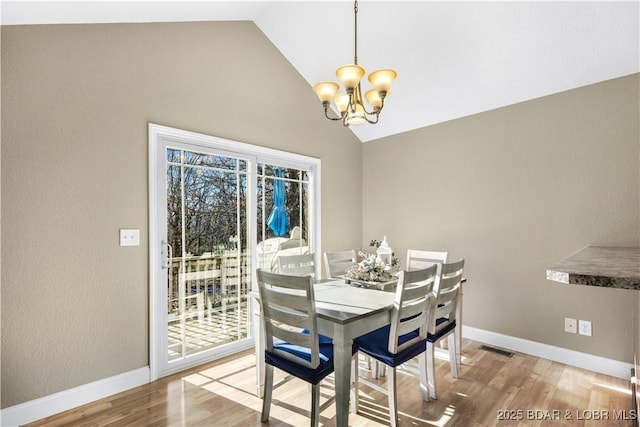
292, 341
337, 263
444, 324
419, 259
297, 265
405, 337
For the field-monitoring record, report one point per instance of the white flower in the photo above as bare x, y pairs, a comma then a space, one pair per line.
370, 269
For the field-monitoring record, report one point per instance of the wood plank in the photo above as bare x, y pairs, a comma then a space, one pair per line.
490, 385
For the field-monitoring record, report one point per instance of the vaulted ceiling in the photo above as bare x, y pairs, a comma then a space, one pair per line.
453, 58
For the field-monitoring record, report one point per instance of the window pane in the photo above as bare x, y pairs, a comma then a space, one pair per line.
291, 195
208, 160
173, 155
210, 209
209, 271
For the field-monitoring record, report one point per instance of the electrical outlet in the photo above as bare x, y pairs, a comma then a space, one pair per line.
570, 325
584, 327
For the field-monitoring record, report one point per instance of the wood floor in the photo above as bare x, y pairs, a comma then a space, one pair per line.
491, 390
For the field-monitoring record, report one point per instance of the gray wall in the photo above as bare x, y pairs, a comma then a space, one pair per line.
513, 191
76, 101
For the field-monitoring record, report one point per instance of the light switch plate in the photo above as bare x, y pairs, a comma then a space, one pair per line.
570, 325
129, 237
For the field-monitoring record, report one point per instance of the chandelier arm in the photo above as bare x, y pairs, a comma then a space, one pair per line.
373, 122
371, 113
326, 114
382, 98
360, 100
351, 106
355, 98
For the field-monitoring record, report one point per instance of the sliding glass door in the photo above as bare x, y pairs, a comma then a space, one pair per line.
207, 236
219, 210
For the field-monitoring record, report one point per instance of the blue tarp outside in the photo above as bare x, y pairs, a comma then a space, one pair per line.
278, 220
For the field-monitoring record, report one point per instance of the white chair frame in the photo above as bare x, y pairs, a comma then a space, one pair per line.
418, 259
413, 309
288, 308
446, 307
297, 265
337, 263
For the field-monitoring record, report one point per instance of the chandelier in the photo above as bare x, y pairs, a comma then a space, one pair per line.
350, 103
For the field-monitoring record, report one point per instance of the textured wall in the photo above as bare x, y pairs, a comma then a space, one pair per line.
514, 191
76, 101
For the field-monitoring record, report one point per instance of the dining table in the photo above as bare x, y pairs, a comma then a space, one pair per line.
344, 312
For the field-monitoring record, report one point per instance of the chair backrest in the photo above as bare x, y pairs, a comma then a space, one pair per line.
418, 259
289, 314
297, 265
413, 308
337, 263
447, 293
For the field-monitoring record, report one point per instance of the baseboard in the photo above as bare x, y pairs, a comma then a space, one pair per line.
68, 399
614, 368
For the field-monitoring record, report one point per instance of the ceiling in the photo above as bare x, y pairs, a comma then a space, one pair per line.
453, 58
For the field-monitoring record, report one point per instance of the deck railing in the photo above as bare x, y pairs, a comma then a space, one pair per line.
203, 282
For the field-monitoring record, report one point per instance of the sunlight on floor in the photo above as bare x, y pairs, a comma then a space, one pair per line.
614, 388
449, 412
443, 421
443, 354
197, 379
286, 405
234, 381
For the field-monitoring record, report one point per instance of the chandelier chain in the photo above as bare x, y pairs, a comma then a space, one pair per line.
355, 37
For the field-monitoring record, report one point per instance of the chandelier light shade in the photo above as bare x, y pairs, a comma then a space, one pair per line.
342, 102
350, 75
326, 91
382, 79
350, 103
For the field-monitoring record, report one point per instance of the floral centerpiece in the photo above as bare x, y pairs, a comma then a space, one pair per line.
371, 268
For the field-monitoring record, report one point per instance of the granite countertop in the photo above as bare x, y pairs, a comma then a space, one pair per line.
611, 267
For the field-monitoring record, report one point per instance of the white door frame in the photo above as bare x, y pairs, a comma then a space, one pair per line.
157, 135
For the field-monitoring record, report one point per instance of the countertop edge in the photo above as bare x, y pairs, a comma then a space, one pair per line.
585, 267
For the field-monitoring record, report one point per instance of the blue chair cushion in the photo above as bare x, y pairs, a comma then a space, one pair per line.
376, 345
310, 375
322, 338
444, 331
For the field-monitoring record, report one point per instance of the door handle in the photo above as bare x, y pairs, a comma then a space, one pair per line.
166, 255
